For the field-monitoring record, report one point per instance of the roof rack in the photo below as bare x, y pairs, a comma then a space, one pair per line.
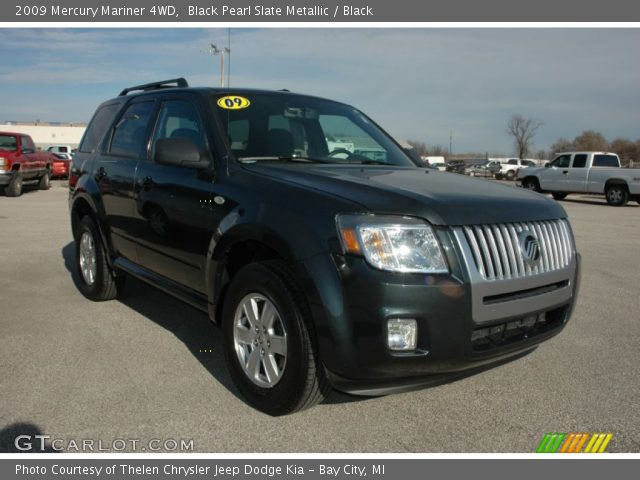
179, 82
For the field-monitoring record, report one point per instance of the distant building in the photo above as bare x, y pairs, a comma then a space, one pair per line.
48, 133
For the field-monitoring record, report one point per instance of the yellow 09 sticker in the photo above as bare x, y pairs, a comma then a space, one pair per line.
233, 102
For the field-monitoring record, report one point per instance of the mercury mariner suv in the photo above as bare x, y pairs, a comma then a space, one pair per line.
327, 257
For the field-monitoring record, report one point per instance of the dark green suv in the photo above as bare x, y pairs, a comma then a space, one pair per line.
306, 232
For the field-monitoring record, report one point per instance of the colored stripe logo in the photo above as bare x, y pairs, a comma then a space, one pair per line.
574, 443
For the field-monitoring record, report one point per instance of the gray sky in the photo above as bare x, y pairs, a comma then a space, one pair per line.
418, 84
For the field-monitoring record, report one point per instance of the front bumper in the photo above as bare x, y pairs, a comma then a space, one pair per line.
353, 302
5, 178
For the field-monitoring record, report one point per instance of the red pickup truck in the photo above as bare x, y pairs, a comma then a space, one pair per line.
21, 162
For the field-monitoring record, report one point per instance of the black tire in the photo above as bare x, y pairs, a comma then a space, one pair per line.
302, 382
531, 184
498, 176
14, 189
559, 195
510, 175
105, 285
45, 181
617, 195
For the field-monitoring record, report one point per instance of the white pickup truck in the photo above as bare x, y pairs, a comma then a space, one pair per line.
584, 172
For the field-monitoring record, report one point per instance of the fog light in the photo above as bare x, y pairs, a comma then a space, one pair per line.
402, 334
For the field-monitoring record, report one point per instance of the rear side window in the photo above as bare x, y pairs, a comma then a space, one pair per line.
99, 124
27, 144
513, 161
579, 161
605, 161
130, 133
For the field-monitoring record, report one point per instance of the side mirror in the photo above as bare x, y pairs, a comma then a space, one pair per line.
547, 165
179, 152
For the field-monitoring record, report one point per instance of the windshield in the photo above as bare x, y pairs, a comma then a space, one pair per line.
8, 142
281, 127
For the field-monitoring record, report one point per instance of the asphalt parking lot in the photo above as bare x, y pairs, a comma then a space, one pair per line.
149, 367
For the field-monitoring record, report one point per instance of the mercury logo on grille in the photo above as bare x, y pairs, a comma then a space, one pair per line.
530, 247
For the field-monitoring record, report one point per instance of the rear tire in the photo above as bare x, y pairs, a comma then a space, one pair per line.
617, 195
511, 174
270, 346
96, 280
45, 181
14, 189
559, 195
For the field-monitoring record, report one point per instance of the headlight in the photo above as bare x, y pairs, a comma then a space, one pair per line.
396, 244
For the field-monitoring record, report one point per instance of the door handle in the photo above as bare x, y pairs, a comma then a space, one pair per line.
565, 172
148, 183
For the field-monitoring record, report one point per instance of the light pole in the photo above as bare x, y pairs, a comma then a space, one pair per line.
214, 50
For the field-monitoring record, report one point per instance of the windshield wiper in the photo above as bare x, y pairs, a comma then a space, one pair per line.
282, 158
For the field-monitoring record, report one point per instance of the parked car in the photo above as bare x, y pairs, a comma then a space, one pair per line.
323, 267
60, 166
439, 166
63, 151
510, 168
21, 163
485, 169
584, 172
456, 166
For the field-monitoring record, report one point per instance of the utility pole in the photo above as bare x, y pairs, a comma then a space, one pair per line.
214, 50
450, 140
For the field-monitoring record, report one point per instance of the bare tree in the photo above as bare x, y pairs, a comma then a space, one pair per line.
419, 147
590, 141
561, 145
438, 151
522, 130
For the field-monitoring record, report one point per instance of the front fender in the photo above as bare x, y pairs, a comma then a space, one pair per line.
290, 235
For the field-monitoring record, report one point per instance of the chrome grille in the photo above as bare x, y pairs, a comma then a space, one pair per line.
498, 256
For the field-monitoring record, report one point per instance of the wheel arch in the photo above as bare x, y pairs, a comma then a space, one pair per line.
86, 201
616, 181
237, 247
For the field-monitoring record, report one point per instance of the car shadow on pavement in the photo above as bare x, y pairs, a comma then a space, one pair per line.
21, 438
195, 330
591, 201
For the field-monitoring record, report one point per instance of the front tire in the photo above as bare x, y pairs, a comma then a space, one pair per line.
96, 280
617, 195
531, 184
270, 345
14, 189
558, 195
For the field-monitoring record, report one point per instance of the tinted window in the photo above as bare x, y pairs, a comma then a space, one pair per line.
579, 161
513, 161
130, 133
180, 119
8, 142
27, 144
282, 127
562, 161
605, 161
97, 127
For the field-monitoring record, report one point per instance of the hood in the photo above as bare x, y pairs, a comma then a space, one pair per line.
441, 198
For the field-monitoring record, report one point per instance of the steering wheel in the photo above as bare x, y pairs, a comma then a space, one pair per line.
338, 151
